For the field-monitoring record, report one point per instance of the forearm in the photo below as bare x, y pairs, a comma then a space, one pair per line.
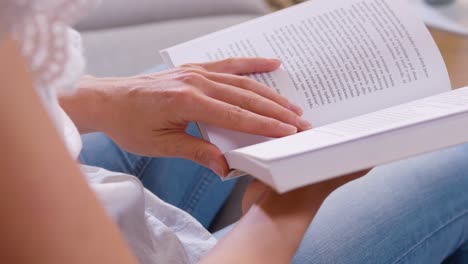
49, 214
272, 229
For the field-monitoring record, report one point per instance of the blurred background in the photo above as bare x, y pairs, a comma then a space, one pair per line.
450, 15
120, 33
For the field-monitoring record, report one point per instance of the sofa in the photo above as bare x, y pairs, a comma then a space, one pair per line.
123, 38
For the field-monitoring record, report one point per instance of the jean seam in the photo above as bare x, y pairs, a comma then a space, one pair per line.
430, 235
191, 201
140, 167
128, 163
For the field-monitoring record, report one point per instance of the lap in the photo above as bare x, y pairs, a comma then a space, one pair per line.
180, 182
411, 211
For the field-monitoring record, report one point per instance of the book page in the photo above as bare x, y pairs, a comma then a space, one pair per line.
341, 58
385, 120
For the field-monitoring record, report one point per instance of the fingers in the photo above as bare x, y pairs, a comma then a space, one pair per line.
221, 114
241, 66
197, 150
254, 86
240, 103
254, 103
254, 193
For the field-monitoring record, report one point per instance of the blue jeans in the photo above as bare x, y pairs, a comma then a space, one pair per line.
182, 183
411, 211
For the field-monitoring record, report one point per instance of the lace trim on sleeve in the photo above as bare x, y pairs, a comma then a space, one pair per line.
41, 26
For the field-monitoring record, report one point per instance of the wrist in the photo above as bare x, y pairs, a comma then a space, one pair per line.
271, 230
88, 105
292, 212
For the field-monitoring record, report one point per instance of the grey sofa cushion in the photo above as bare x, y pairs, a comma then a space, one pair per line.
132, 50
117, 13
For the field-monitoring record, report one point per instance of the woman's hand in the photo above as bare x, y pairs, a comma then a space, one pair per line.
148, 114
273, 225
257, 192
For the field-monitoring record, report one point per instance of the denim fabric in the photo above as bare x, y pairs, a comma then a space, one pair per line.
412, 211
180, 182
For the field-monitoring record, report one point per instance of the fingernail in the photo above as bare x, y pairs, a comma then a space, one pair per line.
296, 109
304, 124
288, 128
217, 169
275, 60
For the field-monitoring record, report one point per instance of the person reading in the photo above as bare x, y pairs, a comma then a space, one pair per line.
57, 211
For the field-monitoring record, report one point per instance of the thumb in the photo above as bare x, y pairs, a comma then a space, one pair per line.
202, 152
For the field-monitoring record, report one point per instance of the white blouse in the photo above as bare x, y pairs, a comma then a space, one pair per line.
156, 231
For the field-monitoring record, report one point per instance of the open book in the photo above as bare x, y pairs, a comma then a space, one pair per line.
368, 74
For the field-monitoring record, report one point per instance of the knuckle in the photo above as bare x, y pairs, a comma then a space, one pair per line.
201, 155
275, 124
262, 125
186, 96
234, 114
281, 100
168, 96
230, 61
166, 149
245, 81
182, 96
190, 76
189, 66
188, 71
249, 101
147, 77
